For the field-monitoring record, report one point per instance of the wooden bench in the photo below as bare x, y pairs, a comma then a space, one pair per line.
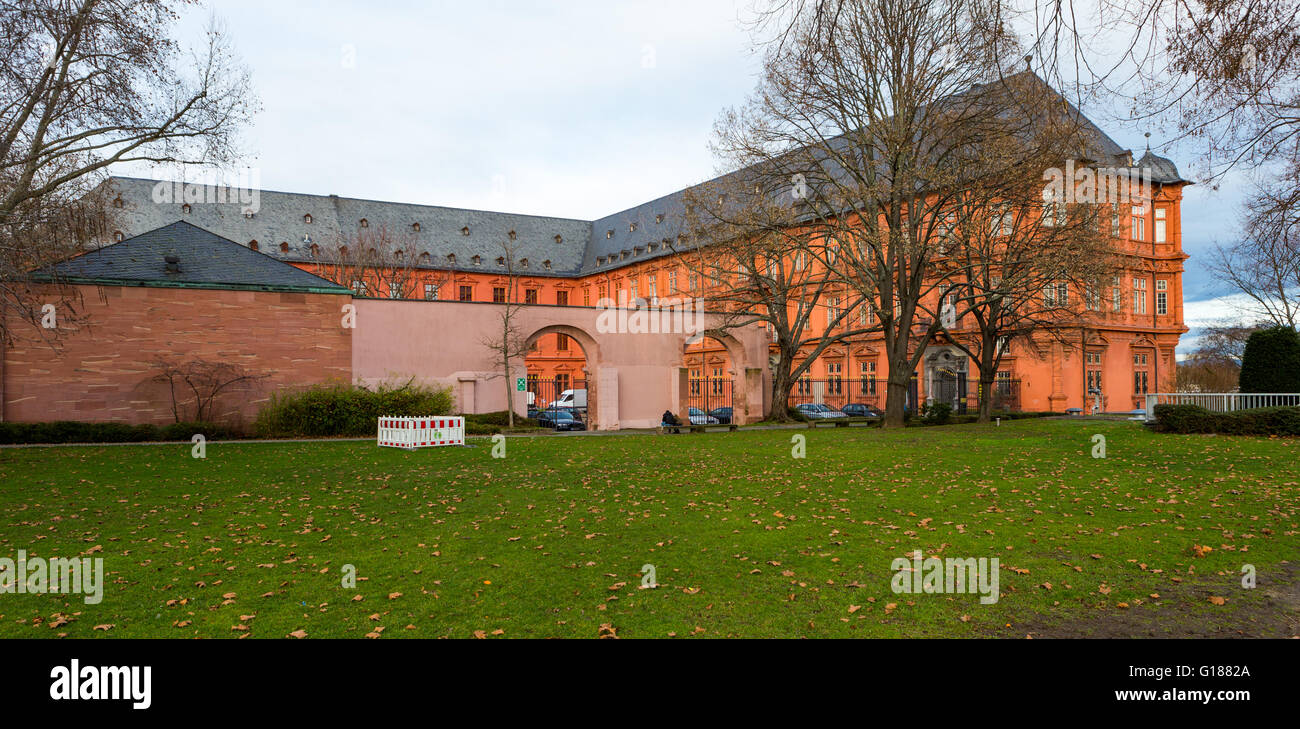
664, 429
715, 426
840, 422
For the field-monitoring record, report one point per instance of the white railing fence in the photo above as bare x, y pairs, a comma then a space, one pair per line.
1223, 402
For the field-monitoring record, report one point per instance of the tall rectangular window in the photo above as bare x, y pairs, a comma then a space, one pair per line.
868, 372
562, 342
466, 293
561, 298
1162, 297
1160, 225
586, 296
1139, 296
1139, 223
653, 292
430, 292
834, 378
394, 290
1116, 295
672, 283
1114, 221
530, 296
832, 311
498, 294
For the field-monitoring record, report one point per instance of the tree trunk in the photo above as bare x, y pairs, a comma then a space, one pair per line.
986, 396
779, 410
896, 395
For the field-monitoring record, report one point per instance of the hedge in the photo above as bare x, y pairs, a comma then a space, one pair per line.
67, 431
1257, 421
344, 410
1271, 361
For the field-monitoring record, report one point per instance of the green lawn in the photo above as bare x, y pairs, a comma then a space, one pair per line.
745, 539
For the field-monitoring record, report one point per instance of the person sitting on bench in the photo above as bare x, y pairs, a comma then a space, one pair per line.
671, 421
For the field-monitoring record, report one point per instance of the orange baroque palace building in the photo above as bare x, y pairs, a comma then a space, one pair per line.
1125, 349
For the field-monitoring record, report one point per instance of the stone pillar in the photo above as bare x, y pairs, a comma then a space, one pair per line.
607, 384
683, 395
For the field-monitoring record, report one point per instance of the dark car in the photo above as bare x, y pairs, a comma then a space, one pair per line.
722, 414
559, 420
860, 410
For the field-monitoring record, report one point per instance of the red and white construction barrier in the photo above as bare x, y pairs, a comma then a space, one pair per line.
412, 433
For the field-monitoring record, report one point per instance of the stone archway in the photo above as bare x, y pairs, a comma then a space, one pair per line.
589, 370
746, 380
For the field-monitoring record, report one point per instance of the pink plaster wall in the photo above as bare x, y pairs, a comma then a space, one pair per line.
443, 343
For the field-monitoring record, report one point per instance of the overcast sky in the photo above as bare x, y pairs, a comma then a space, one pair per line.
572, 108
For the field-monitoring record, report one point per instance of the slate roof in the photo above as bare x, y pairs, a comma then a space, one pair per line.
572, 247
1163, 170
206, 261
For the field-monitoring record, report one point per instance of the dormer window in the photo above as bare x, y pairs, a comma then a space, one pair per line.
307, 218
477, 260
284, 247
559, 239
415, 227
343, 252
315, 251
501, 260
546, 264
117, 236
659, 218
185, 208
609, 234
397, 254
424, 257
636, 251
451, 258
511, 234
631, 227
249, 214
465, 230
117, 201
600, 261
365, 223
252, 244
523, 263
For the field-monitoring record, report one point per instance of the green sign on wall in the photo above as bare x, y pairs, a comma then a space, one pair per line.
520, 384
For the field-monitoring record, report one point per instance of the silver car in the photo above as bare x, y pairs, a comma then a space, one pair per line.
817, 411
699, 417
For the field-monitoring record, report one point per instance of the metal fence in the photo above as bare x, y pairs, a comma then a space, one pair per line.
709, 393
1223, 402
545, 394
871, 391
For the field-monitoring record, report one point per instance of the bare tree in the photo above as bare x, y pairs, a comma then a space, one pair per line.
1265, 265
508, 345
1018, 239
201, 382
868, 107
758, 265
378, 261
88, 84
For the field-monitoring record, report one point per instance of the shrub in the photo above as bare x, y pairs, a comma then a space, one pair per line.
67, 431
1271, 361
492, 423
937, 413
1258, 421
343, 410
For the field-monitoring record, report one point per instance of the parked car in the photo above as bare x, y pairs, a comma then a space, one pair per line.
860, 410
572, 399
722, 414
818, 411
559, 420
699, 417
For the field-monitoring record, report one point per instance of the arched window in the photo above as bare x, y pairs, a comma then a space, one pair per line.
284, 247
117, 236
315, 251
307, 218
252, 244
415, 227
365, 223
185, 208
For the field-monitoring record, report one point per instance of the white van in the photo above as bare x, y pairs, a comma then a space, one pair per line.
572, 399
